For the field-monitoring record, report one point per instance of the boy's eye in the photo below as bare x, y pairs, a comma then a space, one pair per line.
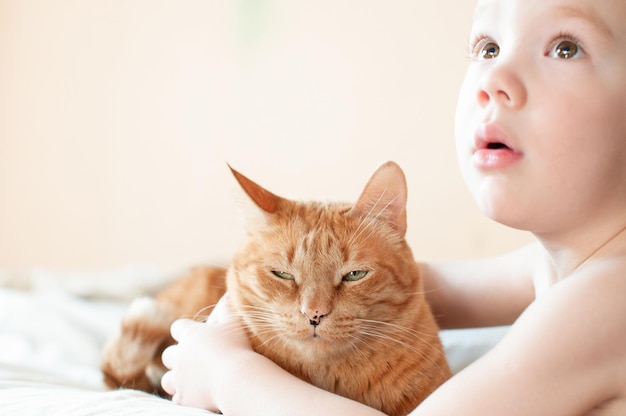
489, 50
565, 49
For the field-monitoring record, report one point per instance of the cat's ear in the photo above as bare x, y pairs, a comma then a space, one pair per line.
264, 203
384, 197
263, 198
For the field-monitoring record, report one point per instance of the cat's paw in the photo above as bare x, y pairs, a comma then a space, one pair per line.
132, 359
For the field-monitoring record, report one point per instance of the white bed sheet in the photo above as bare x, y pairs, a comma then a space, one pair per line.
53, 328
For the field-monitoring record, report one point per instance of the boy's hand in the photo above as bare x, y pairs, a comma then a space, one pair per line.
204, 353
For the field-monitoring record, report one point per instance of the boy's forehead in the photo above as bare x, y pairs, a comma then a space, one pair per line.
608, 15
570, 3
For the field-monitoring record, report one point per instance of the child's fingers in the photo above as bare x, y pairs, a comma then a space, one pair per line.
168, 356
181, 327
221, 312
167, 382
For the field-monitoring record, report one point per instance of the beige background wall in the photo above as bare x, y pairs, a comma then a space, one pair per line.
117, 119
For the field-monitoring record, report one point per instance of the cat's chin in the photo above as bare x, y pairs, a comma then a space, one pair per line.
316, 344
312, 348
302, 349
315, 337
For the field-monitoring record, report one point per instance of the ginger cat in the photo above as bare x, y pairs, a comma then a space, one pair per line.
328, 291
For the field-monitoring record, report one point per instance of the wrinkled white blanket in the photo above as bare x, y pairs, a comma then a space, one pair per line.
53, 328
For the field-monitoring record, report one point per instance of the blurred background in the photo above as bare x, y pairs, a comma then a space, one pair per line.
117, 119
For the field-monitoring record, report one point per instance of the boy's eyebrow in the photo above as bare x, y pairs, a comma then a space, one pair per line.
587, 15
568, 11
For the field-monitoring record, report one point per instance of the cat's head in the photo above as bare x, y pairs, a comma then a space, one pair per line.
326, 277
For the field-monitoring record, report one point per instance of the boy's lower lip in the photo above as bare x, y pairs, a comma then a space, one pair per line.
495, 158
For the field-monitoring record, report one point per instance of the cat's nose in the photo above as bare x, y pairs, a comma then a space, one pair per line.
314, 317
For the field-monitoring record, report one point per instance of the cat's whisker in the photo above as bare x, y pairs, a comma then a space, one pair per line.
408, 331
273, 338
369, 221
255, 307
261, 316
365, 221
422, 292
366, 224
373, 332
370, 225
391, 341
423, 353
235, 330
403, 331
379, 333
201, 316
355, 347
257, 316
258, 312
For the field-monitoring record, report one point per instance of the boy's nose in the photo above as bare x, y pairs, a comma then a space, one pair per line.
502, 86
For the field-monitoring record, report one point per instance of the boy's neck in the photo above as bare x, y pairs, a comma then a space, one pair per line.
567, 258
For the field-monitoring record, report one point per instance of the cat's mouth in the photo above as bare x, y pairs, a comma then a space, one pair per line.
314, 335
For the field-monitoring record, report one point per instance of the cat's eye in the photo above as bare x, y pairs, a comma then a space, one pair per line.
283, 275
355, 275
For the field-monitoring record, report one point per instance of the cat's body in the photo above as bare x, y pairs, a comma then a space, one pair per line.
330, 292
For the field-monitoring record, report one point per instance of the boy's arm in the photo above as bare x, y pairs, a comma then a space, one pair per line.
563, 356
265, 388
485, 292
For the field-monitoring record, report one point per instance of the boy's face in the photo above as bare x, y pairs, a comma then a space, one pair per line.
541, 118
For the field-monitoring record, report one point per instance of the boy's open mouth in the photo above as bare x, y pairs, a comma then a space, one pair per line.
497, 145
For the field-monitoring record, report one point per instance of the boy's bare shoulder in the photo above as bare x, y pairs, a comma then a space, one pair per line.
603, 287
601, 284
582, 322
573, 337
565, 355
